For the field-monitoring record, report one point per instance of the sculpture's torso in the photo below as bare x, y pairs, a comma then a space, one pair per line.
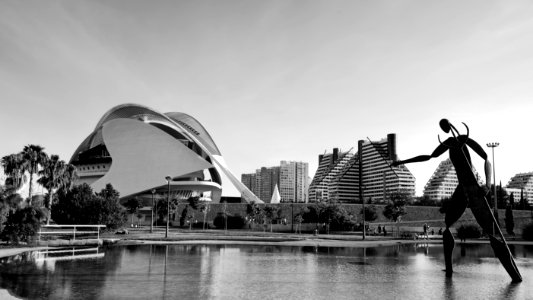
462, 162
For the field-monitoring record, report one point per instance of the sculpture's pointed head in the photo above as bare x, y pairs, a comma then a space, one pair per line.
445, 125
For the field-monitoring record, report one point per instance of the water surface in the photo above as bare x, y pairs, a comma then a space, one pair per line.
264, 272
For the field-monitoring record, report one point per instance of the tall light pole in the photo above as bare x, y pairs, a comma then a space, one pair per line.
494, 145
168, 178
361, 196
292, 216
152, 219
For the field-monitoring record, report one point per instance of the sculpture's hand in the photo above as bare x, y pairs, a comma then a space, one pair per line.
396, 163
488, 174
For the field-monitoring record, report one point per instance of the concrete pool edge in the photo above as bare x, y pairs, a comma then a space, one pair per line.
259, 240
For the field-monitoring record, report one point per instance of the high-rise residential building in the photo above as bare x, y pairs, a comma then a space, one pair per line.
291, 177
333, 180
294, 181
340, 174
444, 181
521, 185
268, 180
249, 180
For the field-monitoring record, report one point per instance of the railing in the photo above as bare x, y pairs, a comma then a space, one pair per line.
68, 254
48, 230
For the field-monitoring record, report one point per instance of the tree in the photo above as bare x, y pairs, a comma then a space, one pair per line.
370, 213
33, 156
81, 205
204, 208
310, 214
162, 207
523, 203
254, 212
425, 201
502, 196
107, 208
269, 214
12, 165
327, 214
184, 214
395, 209
194, 203
9, 202
132, 205
298, 218
55, 175
70, 206
509, 219
22, 225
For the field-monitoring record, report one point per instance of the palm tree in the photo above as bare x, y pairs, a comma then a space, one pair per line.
12, 167
69, 177
53, 176
33, 156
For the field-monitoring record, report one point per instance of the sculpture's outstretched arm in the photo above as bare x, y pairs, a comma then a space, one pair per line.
436, 153
479, 150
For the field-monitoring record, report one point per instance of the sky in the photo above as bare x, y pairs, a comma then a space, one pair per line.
275, 80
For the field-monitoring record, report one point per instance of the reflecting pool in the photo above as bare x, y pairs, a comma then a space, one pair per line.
411, 271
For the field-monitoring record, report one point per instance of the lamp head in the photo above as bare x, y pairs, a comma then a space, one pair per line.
168, 178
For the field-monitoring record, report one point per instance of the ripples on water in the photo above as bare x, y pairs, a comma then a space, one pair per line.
264, 272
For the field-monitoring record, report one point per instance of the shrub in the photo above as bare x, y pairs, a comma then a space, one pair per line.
527, 232
234, 222
22, 225
310, 214
468, 232
408, 236
200, 225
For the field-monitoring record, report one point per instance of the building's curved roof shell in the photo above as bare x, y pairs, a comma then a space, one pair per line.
135, 134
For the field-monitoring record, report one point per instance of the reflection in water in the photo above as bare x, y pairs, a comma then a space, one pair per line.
449, 291
272, 272
57, 274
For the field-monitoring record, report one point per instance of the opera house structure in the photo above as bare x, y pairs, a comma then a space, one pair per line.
135, 148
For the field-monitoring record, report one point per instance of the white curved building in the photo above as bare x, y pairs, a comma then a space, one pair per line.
134, 148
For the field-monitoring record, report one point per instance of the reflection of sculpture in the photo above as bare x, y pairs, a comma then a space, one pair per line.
468, 192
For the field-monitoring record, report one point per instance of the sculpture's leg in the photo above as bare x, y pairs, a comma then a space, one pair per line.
454, 211
456, 207
483, 214
448, 243
501, 251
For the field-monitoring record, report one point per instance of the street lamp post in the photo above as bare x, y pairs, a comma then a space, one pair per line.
292, 216
168, 178
152, 219
494, 145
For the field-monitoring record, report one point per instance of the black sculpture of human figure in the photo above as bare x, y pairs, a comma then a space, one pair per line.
468, 192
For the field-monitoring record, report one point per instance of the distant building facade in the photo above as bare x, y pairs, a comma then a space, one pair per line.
340, 174
290, 177
521, 185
